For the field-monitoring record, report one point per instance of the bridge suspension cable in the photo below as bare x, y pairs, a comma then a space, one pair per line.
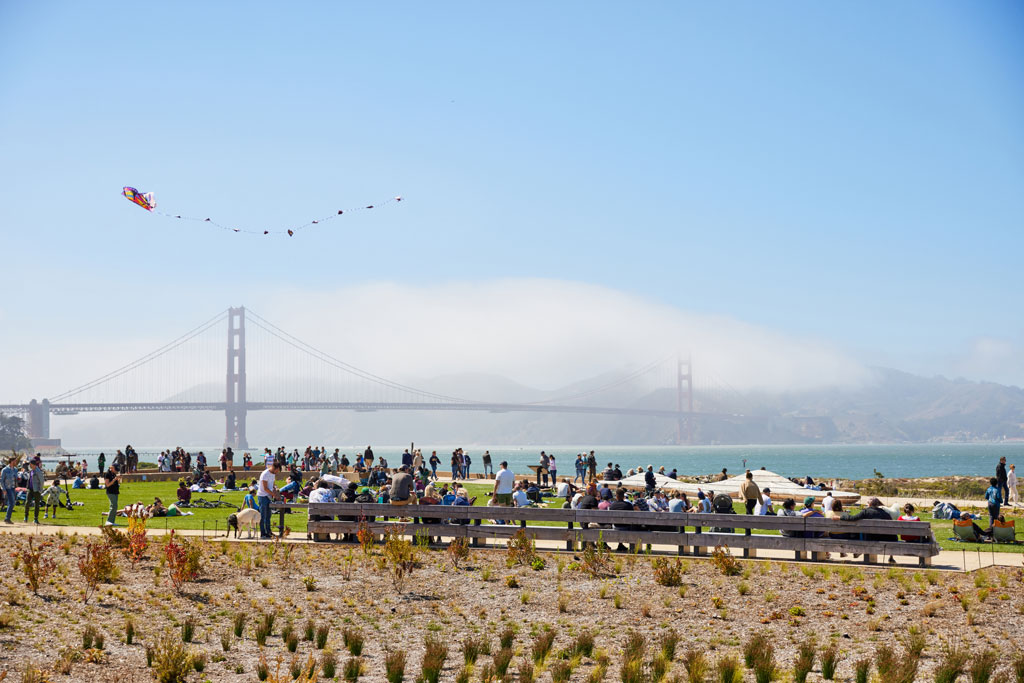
153, 355
322, 356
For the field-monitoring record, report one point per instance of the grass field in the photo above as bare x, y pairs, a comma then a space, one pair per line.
215, 519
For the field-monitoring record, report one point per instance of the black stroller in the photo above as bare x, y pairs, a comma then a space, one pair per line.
722, 505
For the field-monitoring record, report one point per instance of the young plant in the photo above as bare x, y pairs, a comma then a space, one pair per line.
434, 655
806, 654
696, 665
829, 661
394, 666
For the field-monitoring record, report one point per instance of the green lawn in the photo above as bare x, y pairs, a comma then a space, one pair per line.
215, 519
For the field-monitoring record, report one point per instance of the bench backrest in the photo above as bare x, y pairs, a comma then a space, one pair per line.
655, 521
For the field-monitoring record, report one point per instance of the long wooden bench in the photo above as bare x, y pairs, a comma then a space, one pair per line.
689, 533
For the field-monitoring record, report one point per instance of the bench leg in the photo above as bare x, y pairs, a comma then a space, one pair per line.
818, 556
681, 550
750, 552
798, 555
924, 561
699, 550
870, 559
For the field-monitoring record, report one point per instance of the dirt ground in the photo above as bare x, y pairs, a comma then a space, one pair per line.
857, 608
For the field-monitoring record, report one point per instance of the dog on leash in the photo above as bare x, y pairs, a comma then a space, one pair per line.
248, 518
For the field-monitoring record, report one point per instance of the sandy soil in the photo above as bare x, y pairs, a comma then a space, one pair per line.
859, 608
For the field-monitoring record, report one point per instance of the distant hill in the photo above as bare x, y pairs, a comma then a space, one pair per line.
894, 407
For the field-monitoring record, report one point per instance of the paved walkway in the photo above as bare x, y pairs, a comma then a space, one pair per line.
968, 559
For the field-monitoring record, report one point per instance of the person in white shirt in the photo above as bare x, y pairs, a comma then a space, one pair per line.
1011, 484
266, 492
563, 489
504, 482
520, 498
764, 507
827, 503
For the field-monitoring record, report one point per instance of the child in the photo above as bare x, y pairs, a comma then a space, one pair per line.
249, 502
51, 496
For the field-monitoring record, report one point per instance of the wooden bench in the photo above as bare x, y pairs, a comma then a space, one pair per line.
689, 533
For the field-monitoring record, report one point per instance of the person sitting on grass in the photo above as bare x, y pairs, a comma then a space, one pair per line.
184, 493
519, 496
78, 483
230, 482
157, 509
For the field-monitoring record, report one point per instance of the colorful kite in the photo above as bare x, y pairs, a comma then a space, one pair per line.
148, 201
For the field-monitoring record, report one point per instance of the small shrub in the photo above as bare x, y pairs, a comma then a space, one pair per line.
188, 629
669, 642
754, 648
667, 572
238, 624
659, 667
472, 647
862, 670
458, 551
728, 669
634, 647
292, 642
88, 636
806, 653
696, 665
394, 665
225, 641
434, 655
1017, 664
353, 640
560, 671
129, 631
308, 630
521, 550
951, 663
764, 664
322, 631
353, 669
582, 645
725, 562
36, 563
199, 661
171, 660
329, 663
501, 661
525, 671
184, 560
829, 661
982, 665
97, 565
542, 646
507, 637
915, 642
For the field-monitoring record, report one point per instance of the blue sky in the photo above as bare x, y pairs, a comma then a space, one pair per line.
850, 173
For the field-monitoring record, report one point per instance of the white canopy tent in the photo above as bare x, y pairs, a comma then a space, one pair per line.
781, 487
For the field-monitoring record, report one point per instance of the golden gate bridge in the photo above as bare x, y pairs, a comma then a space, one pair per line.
268, 368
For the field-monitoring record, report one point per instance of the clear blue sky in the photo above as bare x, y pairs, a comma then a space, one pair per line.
852, 172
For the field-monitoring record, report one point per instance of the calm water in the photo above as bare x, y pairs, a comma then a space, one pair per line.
846, 462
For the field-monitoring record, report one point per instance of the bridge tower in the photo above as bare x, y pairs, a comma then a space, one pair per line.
687, 377
38, 425
235, 407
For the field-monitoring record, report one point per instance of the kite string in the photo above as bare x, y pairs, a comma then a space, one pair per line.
289, 231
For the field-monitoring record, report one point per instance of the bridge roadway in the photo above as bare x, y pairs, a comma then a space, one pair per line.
362, 406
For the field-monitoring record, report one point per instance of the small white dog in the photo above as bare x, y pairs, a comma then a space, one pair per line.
248, 517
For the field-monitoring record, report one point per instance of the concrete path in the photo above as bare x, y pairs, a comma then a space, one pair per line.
968, 559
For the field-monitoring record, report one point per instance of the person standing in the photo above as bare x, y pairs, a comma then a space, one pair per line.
544, 468
1011, 484
368, 457
504, 482
266, 492
434, 462
112, 485
35, 484
553, 469
994, 498
9, 481
488, 468
581, 469
1001, 480
101, 462
750, 493
592, 466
